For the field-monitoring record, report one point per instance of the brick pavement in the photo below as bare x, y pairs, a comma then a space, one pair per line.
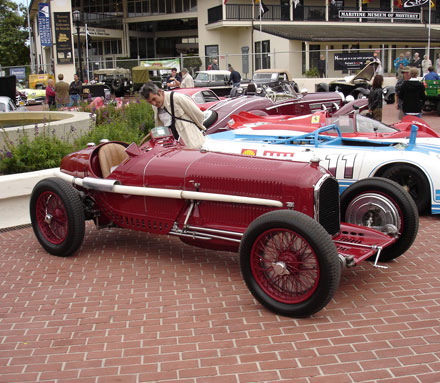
134, 307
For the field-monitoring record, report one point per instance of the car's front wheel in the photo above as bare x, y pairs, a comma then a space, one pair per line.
289, 263
382, 204
57, 216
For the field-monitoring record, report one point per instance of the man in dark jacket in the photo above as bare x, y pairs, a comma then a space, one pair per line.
75, 90
235, 78
413, 95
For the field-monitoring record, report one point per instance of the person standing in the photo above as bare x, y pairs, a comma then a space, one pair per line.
214, 65
321, 66
405, 77
75, 91
50, 93
62, 92
376, 59
235, 77
173, 80
426, 63
431, 75
412, 94
178, 112
187, 80
437, 64
399, 63
375, 98
416, 62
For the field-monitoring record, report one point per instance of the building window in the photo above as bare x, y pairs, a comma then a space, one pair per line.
262, 58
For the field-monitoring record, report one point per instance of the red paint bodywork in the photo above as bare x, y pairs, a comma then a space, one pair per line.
263, 106
311, 122
167, 165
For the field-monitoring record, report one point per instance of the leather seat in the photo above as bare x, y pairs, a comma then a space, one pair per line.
111, 155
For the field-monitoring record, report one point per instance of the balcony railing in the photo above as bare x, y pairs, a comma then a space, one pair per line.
302, 13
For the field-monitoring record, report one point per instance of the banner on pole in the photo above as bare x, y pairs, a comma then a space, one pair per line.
44, 24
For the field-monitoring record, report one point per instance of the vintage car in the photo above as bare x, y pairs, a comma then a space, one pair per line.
273, 79
416, 167
203, 97
217, 80
118, 80
353, 125
32, 96
283, 217
7, 105
294, 105
358, 85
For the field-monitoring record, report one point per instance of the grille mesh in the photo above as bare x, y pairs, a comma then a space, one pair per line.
328, 206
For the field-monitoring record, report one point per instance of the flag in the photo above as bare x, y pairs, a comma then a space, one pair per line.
296, 3
225, 1
432, 4
398, 3
263, 8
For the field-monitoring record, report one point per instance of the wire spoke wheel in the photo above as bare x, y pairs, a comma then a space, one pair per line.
285, 266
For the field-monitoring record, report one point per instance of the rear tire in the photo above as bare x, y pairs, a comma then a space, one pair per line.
289, 263
57, 216
414, 182
377, 202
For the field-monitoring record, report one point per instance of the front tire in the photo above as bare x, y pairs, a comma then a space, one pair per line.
57, 216
289, 263
378, 203
414, 182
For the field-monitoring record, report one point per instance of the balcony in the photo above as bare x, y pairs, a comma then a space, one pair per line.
240, 12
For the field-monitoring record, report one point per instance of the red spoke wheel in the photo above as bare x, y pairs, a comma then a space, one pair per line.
57, 216
289, 263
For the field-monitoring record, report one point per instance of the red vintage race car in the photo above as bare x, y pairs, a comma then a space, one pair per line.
203, 97
292, 104
282, 217
350, 125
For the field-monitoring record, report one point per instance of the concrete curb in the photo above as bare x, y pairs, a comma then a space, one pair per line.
15, 191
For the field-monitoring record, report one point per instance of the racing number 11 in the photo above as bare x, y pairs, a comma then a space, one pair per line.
340, 165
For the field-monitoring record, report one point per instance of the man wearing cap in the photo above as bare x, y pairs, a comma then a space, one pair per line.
412, 94
405, 77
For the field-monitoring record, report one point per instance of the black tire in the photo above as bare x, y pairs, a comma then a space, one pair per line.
57, 216
414, 182
379, 202
117, 84
303, 272
391, 99
437, 108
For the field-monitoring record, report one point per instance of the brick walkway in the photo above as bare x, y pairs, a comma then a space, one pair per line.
133, 307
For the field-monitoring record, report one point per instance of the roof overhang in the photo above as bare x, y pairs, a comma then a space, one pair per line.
353, 32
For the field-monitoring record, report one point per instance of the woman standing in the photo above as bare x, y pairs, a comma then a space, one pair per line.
375, 98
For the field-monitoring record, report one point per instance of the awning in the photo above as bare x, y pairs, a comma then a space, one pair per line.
340, 33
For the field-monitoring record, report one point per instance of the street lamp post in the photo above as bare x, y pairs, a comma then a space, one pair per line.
77, 20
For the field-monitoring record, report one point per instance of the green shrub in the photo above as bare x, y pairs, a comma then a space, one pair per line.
312, 72
43, 152
130, 123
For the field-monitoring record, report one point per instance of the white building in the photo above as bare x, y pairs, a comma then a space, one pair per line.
291, 34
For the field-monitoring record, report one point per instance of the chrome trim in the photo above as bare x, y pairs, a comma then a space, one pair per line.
316, 190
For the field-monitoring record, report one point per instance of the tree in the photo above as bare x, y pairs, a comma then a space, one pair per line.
13, 48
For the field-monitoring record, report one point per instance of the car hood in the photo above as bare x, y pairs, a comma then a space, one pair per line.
366, 74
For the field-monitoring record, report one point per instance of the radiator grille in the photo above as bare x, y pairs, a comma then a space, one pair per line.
328, 208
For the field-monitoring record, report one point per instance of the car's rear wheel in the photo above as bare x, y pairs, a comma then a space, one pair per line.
383, 205
289, 263
414, 182
57, 216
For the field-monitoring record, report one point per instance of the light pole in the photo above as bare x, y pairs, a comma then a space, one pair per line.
77, 20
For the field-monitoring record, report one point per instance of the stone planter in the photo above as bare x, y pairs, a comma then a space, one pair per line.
15, 191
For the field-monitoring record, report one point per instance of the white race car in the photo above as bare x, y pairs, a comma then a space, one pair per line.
414, 166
